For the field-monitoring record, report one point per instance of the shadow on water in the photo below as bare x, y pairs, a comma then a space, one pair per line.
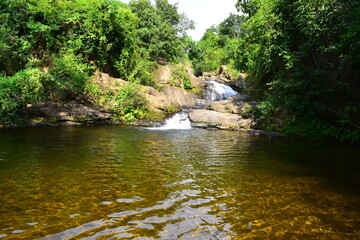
336, 164
119, 182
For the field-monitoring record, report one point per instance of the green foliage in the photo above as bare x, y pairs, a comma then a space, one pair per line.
160, 28
69, 40
130, 104
180, 77
207, 55
70, 74
313, 129
305, 58
99, 30
26, 87
218, 46
136, 68
231, 27
93, 91
172, 110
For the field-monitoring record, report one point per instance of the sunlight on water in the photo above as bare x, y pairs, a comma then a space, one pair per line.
112, 182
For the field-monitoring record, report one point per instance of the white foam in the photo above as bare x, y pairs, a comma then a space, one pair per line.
178, 121
218, 91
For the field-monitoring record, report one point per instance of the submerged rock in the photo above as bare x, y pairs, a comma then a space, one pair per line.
261, 133
70, 123
39, 124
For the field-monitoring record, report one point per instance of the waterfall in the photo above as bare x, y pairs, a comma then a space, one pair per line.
218, 91
215, 92
178, 121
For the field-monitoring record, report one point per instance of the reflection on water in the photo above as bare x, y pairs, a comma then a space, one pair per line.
112, 182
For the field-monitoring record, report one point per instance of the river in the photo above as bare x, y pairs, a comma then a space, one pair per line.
121, 182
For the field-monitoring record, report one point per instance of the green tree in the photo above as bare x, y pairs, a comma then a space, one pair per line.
305, 58
161, 29
99, 30
208, 53
218, 45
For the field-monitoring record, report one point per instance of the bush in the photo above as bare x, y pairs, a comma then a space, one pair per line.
136, 68
130, 104
25, 87
70, 74
180, 78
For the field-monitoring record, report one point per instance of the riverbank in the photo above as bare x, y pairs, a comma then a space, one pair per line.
210, 101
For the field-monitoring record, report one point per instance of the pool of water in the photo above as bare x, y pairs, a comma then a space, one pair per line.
117, 182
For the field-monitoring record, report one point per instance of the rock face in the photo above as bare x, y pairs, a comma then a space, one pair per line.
105, 82
162, 100
207, 118
197, 82
238, 104
170, 97
68, 112
163, 75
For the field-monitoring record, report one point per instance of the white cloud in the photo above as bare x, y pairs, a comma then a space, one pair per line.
205, 13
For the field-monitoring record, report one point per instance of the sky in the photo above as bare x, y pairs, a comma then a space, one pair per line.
205, 13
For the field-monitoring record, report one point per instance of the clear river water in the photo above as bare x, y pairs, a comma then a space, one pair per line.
122, 182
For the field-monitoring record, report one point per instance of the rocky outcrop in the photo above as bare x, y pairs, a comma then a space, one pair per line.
162, 75
68, 112
105, 82
196, 82
239, 83
231, 113
207, 118
169, 97
239, 104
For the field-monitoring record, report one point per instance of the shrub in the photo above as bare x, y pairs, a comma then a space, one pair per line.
180, 78
70, 74
130, 104
136, 68
25, 87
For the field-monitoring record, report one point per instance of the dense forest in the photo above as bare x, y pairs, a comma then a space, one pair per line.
301, 58
49, 49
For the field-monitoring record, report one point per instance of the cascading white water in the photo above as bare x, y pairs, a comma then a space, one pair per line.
178, 121
215, 92
218, 91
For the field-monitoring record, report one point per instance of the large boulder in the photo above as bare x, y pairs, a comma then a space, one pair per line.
106, 82
170, 97
71, 111
195, 81
222, 69
238, 104
207, 118
240, 83
162, 75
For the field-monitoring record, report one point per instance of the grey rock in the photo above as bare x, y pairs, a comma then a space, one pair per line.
170, 97
238, 104
219, 120
67, 112
70, 123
